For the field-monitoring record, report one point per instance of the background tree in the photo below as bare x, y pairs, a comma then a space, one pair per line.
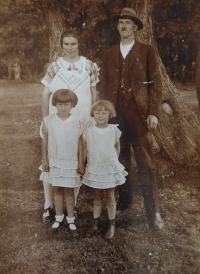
23, 38
178, 132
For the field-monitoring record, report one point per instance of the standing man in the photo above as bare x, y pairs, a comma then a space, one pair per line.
130, 79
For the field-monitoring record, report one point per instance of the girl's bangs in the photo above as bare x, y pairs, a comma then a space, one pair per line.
101, 107
63, 98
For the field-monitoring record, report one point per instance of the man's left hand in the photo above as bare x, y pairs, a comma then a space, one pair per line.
152, 122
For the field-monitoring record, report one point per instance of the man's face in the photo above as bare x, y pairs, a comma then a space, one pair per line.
126, 28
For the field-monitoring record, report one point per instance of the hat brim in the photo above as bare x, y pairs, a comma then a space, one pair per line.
138, 22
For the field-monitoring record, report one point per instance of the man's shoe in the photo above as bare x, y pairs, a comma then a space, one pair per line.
158, 222
120, 208
111, 230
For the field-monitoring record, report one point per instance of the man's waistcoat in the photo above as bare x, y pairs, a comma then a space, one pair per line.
125, 87
144, 78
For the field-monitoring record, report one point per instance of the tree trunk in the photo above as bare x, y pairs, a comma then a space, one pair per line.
54, 20
178, 133
10, 70
17, 71
198, 75
179, 129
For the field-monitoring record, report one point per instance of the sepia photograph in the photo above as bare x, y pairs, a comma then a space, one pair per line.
100, 136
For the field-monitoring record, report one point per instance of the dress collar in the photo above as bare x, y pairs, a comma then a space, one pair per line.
66, 65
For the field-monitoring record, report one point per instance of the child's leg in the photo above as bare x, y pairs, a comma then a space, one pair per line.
97, 209
98, 203
69, 194
111, 203
58, 197
48, 195
48, 214
76, 192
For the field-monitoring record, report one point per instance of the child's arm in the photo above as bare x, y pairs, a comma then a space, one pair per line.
82, 155
45, 160
117, 146
45, 102
93, 91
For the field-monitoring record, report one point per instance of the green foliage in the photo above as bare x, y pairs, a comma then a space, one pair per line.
24, 36
24, 33
176, 25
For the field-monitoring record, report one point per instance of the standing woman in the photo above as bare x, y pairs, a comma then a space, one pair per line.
78, 74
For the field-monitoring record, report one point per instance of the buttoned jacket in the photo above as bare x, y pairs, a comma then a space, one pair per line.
144, 78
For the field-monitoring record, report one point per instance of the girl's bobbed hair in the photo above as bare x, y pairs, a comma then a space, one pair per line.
103, 105
64, 96
69, 33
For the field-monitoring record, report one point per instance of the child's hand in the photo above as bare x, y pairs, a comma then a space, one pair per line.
45, 165
81, 169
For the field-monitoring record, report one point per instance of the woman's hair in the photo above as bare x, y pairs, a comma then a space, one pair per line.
103, 105
64, 96
69, 33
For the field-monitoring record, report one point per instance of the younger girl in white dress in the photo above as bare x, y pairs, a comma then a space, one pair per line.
103, 170
60, 155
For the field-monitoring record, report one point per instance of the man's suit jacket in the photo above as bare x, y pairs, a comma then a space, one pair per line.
144, 77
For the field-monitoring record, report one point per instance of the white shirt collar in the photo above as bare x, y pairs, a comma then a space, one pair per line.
66, 65
126, 48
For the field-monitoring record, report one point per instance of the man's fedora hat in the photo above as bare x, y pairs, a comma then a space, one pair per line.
128, 13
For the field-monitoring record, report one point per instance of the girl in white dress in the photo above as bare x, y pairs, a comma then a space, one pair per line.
103, 171
61, 132
78, 74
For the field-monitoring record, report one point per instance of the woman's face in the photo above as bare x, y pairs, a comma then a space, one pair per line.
70, 47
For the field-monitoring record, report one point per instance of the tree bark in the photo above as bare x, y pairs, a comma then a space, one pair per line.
198, 75
179, 129
55, 22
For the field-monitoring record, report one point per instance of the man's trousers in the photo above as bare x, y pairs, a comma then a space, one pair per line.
136, 133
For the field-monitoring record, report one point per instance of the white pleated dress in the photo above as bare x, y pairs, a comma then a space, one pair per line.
103, 168
63, 137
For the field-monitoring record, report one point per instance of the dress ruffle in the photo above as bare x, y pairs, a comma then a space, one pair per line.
102, 177
64, 164
106, 168
62, 173
61, 181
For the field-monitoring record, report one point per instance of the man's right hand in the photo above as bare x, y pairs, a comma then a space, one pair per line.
152, 122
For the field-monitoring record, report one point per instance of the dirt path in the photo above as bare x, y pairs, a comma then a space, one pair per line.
27, 246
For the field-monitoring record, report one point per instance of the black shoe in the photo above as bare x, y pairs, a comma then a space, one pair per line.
93, 228
48, 219
72, 227
111, 230
120, 208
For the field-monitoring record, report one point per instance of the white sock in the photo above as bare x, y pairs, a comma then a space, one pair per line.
59, 218
71, 222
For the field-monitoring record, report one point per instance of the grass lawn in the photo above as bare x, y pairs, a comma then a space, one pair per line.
27, 246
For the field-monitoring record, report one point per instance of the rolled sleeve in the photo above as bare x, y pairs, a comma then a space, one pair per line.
50, 73
93, 71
